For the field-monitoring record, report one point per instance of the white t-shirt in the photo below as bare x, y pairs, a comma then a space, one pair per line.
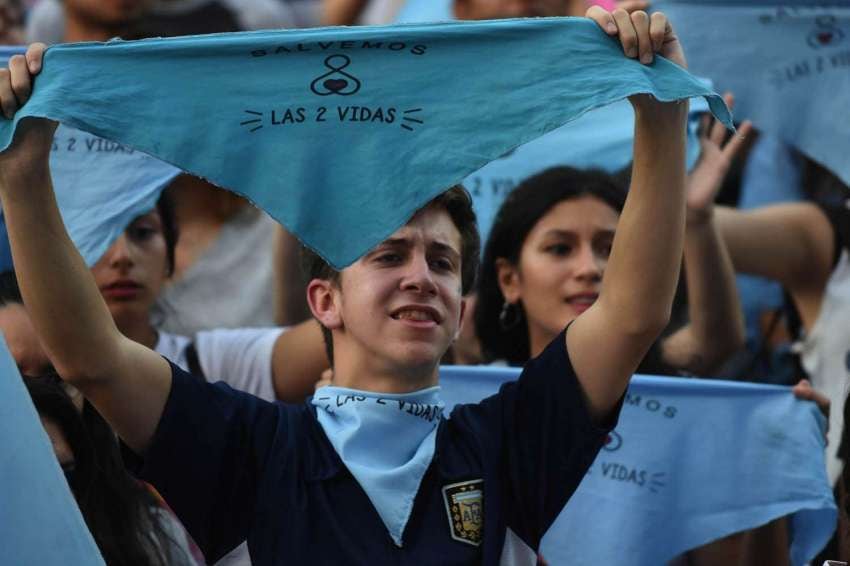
239, 263
825, 355
240, 357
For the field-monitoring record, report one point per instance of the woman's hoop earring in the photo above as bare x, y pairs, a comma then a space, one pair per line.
509, 316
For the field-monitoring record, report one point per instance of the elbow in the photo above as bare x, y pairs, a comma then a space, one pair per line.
714, 351
723, 345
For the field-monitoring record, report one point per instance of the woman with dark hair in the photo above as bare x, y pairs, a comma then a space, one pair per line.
272, 363
546, 254
128, 523
543, 265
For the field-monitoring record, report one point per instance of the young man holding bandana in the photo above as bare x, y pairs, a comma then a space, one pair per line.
369, 471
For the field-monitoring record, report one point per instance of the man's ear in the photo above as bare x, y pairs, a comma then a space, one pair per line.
322, 296
507, 275
464, 302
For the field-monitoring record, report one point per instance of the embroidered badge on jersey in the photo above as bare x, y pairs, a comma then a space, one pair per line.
465, 508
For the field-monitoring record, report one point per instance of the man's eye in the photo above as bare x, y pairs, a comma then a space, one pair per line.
140, 233
558, 249
442, 264
388, 258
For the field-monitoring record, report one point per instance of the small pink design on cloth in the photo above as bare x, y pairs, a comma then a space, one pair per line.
607, 4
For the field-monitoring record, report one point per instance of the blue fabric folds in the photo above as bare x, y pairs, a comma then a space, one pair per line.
101, 186
357, 421
341, 134
40, 522
788, 54
690, 461
601, 139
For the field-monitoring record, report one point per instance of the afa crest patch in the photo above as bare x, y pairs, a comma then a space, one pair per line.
465, 509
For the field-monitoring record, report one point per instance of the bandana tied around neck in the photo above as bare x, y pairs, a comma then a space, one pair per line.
386, 441
349, 128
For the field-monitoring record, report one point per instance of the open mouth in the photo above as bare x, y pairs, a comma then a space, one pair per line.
416, 314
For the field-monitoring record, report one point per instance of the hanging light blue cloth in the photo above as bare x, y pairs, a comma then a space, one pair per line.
787, 54
690, 461
100, 186
352, 129
357, 421
40, 522
601, 139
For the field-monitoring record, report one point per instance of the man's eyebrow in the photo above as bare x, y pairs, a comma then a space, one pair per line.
393, 243
444, 247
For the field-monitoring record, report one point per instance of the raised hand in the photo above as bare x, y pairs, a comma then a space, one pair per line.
716, 156
641, 35
804, 391
16, 81
27, 155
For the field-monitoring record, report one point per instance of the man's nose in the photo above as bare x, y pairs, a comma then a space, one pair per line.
418, 275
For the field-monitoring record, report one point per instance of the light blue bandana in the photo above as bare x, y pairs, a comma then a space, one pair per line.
787, 54
386, 441
41, 522
349, 128
690, 461
101, 186
601, 139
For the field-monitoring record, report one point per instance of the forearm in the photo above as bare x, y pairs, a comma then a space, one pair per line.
642, 272
640, 279
59, 292
716, 327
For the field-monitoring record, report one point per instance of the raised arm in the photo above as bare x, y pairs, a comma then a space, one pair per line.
792, 243
607, 341
716, 326
127, 382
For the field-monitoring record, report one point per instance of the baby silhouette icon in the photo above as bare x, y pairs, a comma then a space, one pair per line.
336, 81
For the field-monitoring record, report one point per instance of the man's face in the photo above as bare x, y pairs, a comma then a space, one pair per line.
399, 307
501, 9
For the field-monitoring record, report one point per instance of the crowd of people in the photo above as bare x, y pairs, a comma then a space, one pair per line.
209, 381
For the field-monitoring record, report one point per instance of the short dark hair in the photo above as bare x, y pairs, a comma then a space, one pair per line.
520, 212
458, 204
170, 230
